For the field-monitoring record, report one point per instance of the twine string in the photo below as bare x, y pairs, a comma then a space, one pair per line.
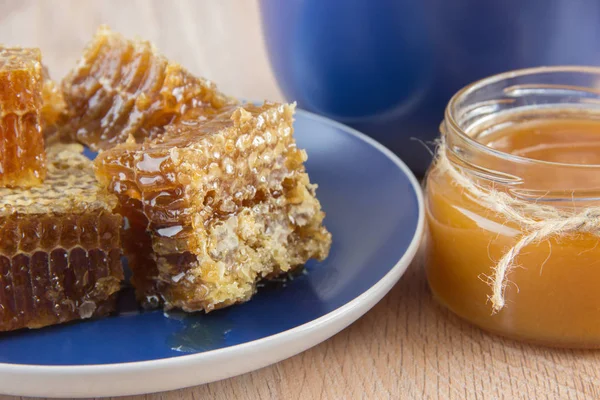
538, 222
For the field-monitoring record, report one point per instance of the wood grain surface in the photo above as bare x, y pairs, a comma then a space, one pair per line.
407, 346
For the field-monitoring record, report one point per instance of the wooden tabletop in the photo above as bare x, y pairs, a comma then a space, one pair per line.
405, 347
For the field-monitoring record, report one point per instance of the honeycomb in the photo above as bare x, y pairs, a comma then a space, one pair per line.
54, 107
214, 205
60, 252
22, 157
123, 88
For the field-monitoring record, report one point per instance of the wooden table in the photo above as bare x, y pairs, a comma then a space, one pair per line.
407, 346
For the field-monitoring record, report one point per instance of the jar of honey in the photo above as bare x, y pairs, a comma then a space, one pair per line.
513, 206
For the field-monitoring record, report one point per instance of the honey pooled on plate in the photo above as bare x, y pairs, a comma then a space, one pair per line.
60, 252
214, 205
22, 156
124, 88
513, 207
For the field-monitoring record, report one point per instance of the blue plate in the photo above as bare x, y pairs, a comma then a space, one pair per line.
374, 212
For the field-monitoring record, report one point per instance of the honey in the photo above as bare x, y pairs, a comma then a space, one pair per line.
544, 157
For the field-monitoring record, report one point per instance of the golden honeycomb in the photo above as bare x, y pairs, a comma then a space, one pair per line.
54, 107
213, 195
124, 88
60, 251
22, 156
214, 205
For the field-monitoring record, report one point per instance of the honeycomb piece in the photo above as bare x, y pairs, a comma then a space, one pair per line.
60, 254
54, 106
214, 205
22, 157
124, 88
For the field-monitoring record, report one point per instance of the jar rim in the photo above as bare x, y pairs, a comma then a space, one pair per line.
463, 93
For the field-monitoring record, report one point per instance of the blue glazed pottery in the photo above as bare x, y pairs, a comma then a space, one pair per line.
388, 67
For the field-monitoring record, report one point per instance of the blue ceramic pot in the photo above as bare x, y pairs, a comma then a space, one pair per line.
388, 67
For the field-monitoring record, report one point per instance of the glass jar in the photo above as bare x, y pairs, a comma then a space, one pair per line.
488, 202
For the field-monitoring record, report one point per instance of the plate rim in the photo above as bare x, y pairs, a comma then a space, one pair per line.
372, 295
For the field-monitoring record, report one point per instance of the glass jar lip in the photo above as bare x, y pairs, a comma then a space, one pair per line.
481, 83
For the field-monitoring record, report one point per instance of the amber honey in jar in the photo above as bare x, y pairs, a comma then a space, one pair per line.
513, 206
